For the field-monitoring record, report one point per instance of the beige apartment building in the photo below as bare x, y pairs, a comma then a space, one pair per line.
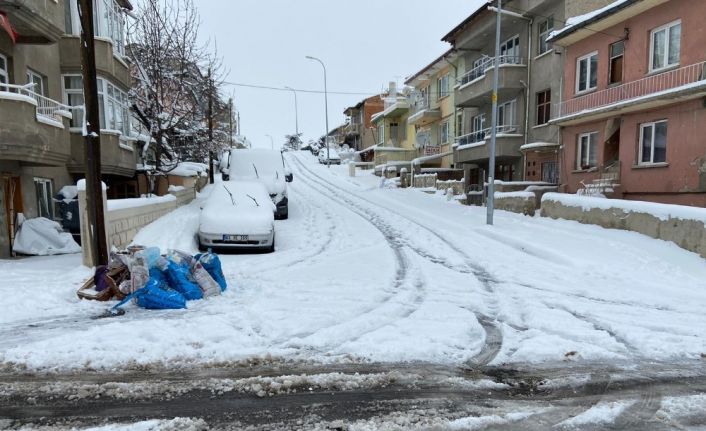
41, 143
433, 113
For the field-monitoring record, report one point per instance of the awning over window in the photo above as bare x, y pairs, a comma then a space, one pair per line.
5, 25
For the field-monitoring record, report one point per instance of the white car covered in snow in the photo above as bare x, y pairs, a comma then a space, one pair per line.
266, 166
329, 157
238, 215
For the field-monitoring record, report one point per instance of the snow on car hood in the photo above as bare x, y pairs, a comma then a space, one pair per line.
245, 217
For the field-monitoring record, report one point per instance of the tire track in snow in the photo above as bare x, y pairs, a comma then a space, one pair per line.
396, 290
493, 332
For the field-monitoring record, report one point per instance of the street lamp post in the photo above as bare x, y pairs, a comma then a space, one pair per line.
272, 142
328, 153
296, 109
494, 122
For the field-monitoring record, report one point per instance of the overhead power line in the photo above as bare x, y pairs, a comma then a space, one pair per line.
266, 87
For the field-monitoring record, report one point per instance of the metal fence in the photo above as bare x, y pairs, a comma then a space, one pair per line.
632, 90
488, 63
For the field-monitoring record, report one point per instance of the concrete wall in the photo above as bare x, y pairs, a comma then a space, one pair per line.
516, 203
124, 224
687, 234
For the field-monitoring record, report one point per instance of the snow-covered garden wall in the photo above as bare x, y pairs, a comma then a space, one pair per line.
682, 225
517, 202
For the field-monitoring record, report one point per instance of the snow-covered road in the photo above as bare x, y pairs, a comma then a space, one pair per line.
368, 274
389, 299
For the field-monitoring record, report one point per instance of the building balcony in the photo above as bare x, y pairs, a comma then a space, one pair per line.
476, 86
423, 114
393, 109
473, 147
35, 21
108, 63
684, 83
35, 129
118, 156
352, 129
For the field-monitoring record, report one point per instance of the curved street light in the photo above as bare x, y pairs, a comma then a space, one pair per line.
326, 107
272, 142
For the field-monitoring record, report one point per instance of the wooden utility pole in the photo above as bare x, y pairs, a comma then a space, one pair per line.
230, 121
210, 128
92, 144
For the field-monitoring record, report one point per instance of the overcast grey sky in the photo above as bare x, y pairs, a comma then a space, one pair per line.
364, 43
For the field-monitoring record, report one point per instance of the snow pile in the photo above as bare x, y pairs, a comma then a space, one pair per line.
43, 237
189, 169
580, 19
482, 422
68, 193
508, 195
603, 413
661, 211
121, 204
176, 424
175, 189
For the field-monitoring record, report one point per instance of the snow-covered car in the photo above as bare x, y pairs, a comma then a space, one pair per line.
238, 215
266, 166
329, 157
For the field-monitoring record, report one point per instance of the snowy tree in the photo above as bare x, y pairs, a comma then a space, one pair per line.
173, 79
293, 141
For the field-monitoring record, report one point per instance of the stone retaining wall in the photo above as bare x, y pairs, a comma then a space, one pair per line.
687, 234
519, 202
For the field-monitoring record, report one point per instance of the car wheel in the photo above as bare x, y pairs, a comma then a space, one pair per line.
202, 247
272, 247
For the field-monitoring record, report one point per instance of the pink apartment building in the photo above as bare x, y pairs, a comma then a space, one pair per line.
633, 111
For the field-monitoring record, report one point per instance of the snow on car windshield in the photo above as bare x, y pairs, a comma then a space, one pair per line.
256, 163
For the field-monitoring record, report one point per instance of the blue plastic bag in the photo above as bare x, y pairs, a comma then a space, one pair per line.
212, 265
153, 297
178, 277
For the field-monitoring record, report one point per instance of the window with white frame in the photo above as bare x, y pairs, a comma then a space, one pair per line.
73, 96
381, 133
510, 50
113, 105
545, 27
586, 151
587, 72
653, 142
45, 193
665, 46
507, 116
4, 73
444, 134
478, 127
38, 80
478, 123
443, 84
108, 22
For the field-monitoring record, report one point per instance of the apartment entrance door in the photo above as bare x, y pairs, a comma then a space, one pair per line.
11, 205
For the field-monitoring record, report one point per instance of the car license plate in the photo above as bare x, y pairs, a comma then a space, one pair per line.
235, 237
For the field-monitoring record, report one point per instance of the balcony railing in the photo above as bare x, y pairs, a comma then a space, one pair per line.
482, 135
421, 104
650, 85
489, 63
46, 107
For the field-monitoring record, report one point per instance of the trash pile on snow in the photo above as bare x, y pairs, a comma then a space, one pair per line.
155, 281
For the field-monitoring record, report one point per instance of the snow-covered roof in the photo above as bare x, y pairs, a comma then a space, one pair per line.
420, 160
578, 22
535, 145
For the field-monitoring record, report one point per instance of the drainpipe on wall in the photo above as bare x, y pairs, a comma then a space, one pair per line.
528, 92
